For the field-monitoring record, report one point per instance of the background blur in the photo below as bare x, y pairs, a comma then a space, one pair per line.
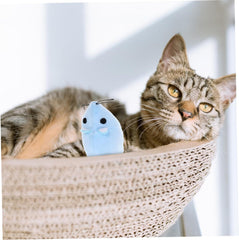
113, 48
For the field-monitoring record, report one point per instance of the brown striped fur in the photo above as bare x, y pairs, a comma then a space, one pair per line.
45, 140
50, 126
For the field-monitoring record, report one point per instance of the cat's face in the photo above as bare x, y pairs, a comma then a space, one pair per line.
177, 104
185, 105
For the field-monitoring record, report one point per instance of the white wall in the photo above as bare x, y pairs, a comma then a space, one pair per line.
114, 48
23, 54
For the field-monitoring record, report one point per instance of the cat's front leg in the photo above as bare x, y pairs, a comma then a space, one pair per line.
68, 150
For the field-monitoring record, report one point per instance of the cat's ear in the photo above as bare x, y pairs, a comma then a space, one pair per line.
227, 89
174, 53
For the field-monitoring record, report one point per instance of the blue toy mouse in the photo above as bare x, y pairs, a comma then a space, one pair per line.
101, 131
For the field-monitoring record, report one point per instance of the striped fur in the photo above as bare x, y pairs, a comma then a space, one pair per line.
50, 126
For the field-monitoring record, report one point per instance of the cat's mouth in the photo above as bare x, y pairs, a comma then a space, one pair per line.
180, 127
178, 132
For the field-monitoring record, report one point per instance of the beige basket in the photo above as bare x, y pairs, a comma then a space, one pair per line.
124, 195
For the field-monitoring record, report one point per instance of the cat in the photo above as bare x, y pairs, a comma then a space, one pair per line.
177, 104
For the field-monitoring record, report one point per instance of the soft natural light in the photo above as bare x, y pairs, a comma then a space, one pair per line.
31, 63
23, 52
106, 22
232, 131
203, 58
130, 94
208, 209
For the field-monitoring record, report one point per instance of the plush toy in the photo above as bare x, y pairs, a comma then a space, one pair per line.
101, 131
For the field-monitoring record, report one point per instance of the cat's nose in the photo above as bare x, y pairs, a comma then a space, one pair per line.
187, 110
185, 114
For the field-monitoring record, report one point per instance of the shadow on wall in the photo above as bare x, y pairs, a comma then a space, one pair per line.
137, 55
133, 57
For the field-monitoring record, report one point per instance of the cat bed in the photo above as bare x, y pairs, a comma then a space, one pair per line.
137, 194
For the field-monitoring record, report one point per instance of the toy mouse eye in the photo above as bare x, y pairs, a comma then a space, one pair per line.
103, 120
84, 120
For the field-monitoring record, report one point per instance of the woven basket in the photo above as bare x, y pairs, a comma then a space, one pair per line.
138, 194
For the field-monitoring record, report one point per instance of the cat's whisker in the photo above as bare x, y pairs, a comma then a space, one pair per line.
137, 119
165, 117
153, 109
147, 106
152, 125
162, 116
119, 107
159, 128
147, 128
162, 113
148, 110
146, 122
133, 121
167, 110
54, 120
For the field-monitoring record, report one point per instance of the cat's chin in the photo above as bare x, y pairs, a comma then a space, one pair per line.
178, 133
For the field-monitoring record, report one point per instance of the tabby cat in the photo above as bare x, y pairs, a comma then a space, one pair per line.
176, 104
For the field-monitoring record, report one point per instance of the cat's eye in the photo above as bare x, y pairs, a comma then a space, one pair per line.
84, 120
205, 107
174, 91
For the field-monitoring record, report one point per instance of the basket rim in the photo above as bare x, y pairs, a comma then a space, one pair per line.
161, 150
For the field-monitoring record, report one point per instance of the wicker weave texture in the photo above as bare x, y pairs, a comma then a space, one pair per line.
124, 195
